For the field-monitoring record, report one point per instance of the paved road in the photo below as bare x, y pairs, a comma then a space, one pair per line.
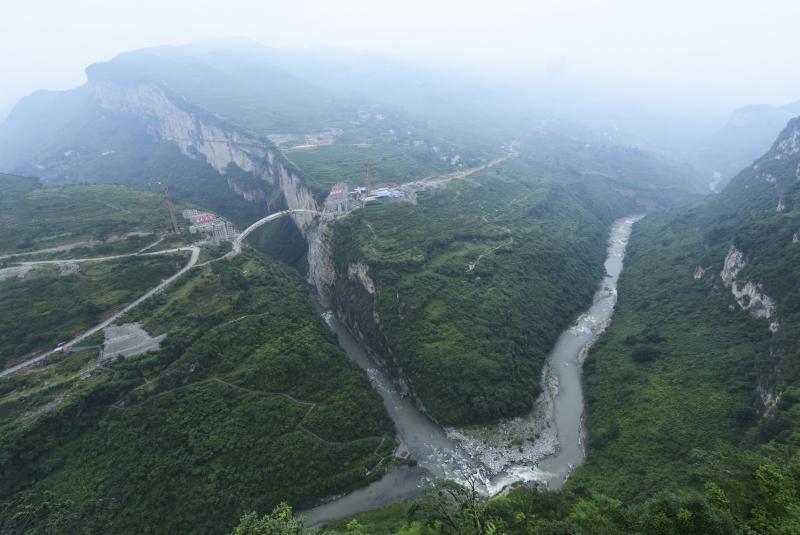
58, 249
102, 258
189, 265
438, 180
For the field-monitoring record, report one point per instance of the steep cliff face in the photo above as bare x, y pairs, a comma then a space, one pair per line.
321, 271
200, 135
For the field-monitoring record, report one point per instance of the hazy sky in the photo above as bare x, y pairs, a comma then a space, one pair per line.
723, 52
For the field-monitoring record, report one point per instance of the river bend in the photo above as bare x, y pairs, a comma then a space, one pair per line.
440, 457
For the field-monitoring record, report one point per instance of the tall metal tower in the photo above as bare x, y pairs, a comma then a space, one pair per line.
366, 178
168, 203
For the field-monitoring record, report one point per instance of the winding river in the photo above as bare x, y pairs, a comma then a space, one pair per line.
438, 456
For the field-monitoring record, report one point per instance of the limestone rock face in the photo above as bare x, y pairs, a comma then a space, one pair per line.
788, 146
749, 295
359, 271
321, 271
734, 262
198, 134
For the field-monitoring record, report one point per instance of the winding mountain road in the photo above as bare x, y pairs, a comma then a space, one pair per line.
108, 321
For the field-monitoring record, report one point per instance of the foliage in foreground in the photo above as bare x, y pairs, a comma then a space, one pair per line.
453, 510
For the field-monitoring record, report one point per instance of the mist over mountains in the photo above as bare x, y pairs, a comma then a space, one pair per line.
319, 81
269, 289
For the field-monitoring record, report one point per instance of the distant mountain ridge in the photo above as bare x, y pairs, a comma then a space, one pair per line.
748, 134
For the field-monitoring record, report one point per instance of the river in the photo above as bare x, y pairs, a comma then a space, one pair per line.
439, 456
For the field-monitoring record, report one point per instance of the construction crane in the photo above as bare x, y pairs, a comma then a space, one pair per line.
366, 179
168, 204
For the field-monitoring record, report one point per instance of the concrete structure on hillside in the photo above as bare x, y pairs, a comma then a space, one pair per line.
214, 227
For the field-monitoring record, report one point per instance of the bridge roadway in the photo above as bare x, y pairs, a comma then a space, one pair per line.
237, 243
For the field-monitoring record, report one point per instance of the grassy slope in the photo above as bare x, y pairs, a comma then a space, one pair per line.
472, 342
44, 307
396, 162
189, 437
32, 217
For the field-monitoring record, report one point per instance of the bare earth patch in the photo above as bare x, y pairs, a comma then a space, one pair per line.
128, 340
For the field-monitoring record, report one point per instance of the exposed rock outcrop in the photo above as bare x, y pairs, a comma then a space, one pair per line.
698, 273
199, 134
321, 271
789, 145
359, 271
769, 400
749, 295
734, 262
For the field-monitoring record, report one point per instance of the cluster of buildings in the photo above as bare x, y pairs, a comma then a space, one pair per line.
215, 228
360, 194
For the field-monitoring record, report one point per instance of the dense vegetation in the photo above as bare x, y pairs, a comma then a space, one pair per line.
475, 282
46, 306
248, 402
772, 492
685, 386
693, 405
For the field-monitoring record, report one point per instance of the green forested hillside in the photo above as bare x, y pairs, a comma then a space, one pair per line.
693, 403
474, 282
44, 304
686, 386
249, 402
47, 305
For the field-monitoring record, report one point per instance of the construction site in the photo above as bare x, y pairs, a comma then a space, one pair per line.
213, 227
341, 199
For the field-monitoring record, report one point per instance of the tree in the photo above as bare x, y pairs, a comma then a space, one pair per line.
452, 508
280, 522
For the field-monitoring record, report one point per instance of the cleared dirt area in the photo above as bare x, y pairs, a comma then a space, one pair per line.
128, 340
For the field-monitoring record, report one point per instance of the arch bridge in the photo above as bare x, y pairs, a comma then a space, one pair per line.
237, 243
